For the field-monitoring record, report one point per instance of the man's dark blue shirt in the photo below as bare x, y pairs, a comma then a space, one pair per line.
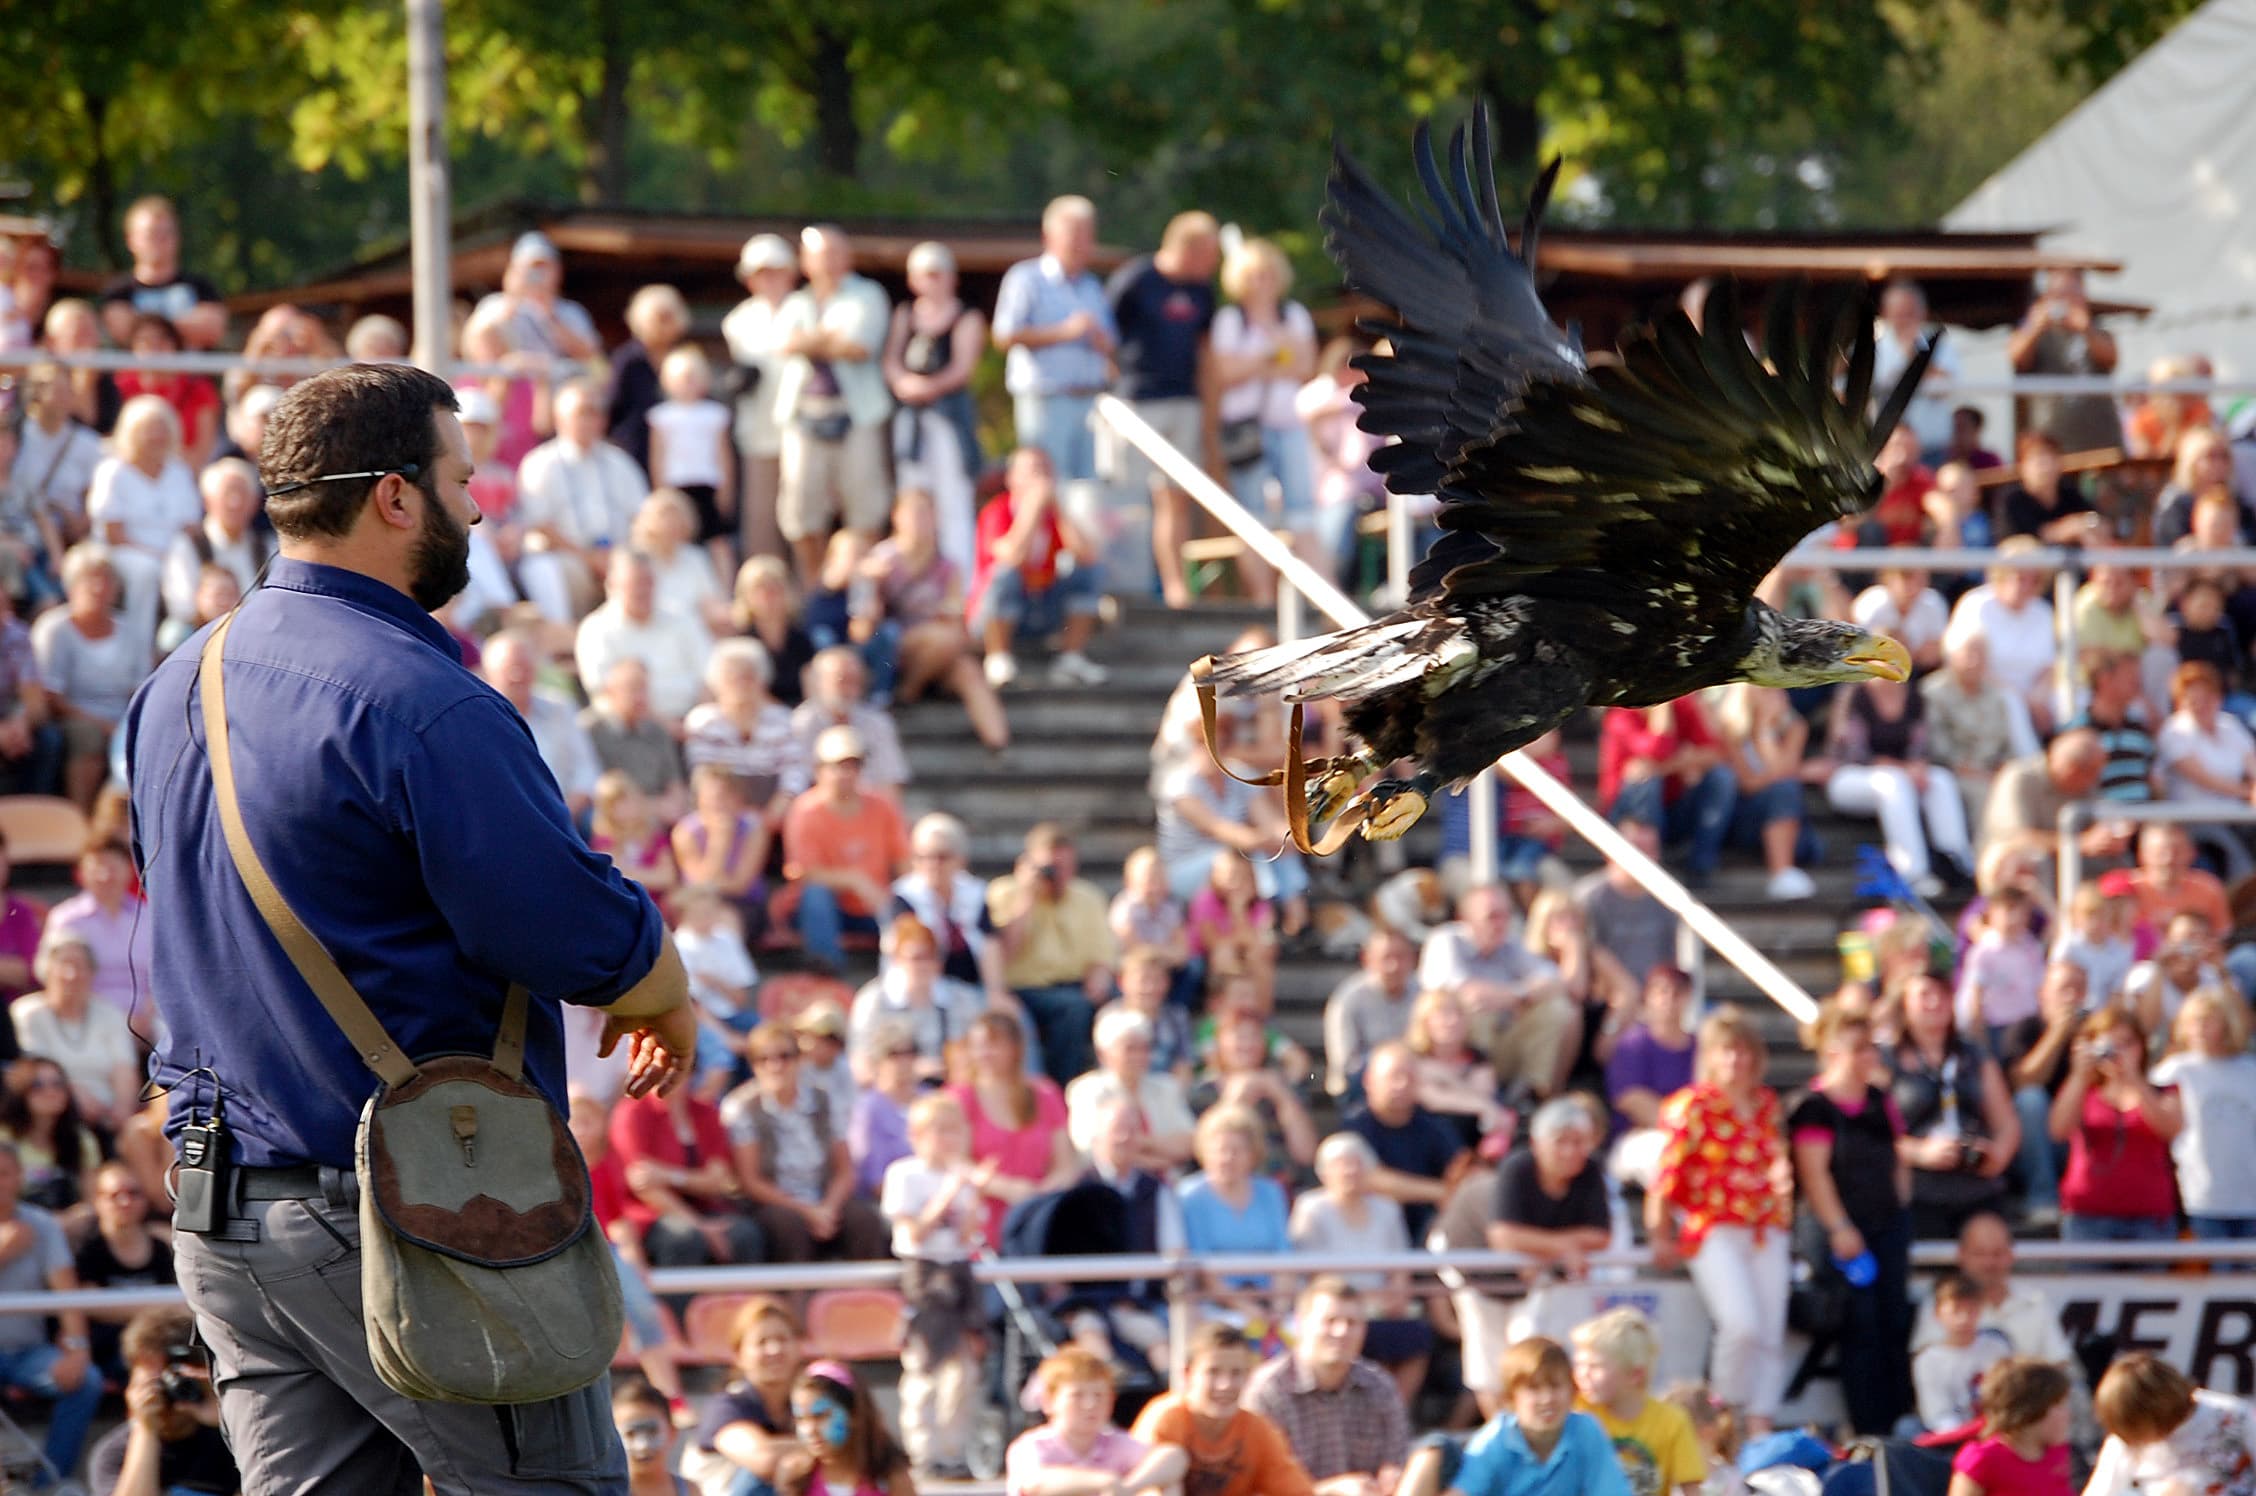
403, 810
1162, 322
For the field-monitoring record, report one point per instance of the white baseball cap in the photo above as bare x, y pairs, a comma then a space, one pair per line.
766, 252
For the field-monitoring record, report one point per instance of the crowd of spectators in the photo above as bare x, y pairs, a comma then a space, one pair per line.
707, 575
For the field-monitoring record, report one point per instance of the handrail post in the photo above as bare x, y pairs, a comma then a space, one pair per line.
2069, 860
2064, 627
1290, 612
1480, 805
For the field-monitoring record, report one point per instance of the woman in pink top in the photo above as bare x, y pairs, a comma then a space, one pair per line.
1018, 1131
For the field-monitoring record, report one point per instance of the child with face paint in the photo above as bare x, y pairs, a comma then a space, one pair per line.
854, 1453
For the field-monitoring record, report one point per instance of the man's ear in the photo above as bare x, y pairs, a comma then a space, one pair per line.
390, 499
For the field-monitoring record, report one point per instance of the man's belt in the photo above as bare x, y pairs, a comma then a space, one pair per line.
299, 1182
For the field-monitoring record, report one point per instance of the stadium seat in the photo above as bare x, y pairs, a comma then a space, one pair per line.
856, 1324
785, 997
705, 1328
42, 828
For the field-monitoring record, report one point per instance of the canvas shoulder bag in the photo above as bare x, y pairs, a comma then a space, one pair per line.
482, 1278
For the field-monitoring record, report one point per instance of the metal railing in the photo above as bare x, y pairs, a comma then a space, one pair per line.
1189, 1275
1295, 574
110, 361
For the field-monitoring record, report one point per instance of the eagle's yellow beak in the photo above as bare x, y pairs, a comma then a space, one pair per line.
1883, 657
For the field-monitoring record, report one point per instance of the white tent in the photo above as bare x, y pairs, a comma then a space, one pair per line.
2156, 170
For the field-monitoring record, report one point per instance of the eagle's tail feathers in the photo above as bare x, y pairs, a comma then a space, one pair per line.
1351, 665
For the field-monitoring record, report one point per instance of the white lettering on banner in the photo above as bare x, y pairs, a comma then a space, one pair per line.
2204, 1326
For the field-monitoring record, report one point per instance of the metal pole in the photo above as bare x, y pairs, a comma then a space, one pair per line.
429, 193
1480, 806
1291, 613
2064, 629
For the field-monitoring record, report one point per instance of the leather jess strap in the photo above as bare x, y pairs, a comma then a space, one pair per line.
314, 963
1293, 776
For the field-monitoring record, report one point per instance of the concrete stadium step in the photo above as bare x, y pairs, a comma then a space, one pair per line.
952, 761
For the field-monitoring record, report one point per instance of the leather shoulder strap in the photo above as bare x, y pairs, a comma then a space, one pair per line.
312, 960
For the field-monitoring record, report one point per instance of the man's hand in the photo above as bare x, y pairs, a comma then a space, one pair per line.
822, 1221
71, 1370
660, 1049
145, 1403
15, 737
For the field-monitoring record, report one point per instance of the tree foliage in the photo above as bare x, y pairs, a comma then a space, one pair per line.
282, 124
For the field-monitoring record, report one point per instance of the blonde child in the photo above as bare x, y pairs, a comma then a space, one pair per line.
723, 842
624, 828
1230, 926
2167, 1437
1539, 1445
1456, 1082
1613, 1373
691, 449
2215, 1076
2004, 967
1944, 1375
2023, 1450
1079, 1452
2098, 939
1146, 912
933, 1200
1145, 979
1717, 1428
710, 940
1230, 1450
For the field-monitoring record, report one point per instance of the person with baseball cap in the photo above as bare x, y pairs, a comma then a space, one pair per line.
769, 269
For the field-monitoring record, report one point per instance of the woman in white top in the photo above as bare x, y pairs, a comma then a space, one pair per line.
1264, 350
691, 449
88, 1039
91, 663
2009, 611
2205, 756
665, 530
140, 501
2167, 1438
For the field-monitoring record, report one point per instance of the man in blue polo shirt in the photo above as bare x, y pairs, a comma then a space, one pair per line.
1052, 319
403, 811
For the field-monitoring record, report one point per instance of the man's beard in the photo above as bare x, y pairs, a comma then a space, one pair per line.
438, 565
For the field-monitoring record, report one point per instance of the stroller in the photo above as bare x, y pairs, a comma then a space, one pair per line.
1088, 1219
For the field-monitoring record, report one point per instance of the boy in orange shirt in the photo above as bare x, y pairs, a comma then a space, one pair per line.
1232, 1452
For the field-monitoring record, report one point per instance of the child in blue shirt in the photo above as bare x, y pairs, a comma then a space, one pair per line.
1538, 1446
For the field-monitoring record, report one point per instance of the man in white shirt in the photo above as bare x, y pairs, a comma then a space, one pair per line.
576, 498
225, 537
753, 330
1895, 342
1518, 1006
672, 646
511, 664
832, 402
541, 320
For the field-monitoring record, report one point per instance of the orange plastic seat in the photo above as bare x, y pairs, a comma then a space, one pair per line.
856, 1324
43, 828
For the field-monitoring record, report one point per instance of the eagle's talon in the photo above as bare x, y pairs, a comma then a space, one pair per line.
1393, 806
1329, 795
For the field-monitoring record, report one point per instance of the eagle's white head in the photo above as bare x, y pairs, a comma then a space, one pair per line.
1791, 652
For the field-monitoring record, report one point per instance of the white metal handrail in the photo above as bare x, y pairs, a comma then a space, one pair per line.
112, 361
1556, 797
1190, 1272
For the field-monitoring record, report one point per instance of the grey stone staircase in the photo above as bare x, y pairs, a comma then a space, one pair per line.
1081, 755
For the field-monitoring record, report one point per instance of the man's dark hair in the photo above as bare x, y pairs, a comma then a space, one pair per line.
636, 1392
154, 1334
363, 418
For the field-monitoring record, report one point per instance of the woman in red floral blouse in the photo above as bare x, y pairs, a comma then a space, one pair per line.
1723, 1203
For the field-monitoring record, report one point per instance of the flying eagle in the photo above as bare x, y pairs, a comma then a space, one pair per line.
1605, 525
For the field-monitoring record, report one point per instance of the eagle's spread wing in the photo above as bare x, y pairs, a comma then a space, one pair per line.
1661, 488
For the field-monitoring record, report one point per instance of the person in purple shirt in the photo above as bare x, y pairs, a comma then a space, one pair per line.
112, 919
878, 1131
1644, 1066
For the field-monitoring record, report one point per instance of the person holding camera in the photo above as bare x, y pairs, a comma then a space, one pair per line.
170, 1440
2119, 1184
1960, 1132
1058, 950
2060, 336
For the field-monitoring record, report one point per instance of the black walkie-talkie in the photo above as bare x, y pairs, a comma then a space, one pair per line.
199, 1190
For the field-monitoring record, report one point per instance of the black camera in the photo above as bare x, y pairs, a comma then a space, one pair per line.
1970, 1157
177, 1384
1048, 873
